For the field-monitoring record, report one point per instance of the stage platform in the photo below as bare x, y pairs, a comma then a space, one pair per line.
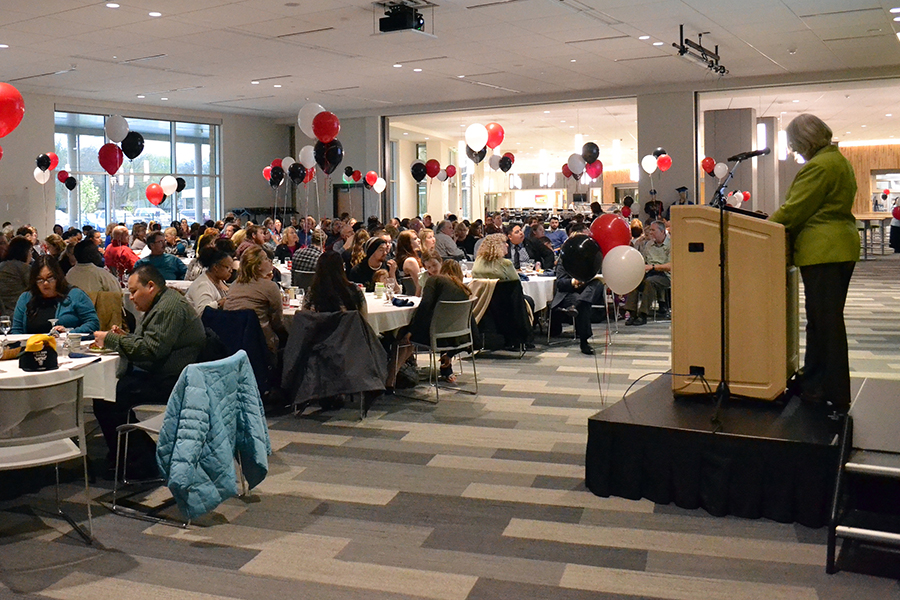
776, 460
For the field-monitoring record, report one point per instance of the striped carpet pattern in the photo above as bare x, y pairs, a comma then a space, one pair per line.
476, 497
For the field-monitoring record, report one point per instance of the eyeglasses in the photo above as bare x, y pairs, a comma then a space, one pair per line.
43, 281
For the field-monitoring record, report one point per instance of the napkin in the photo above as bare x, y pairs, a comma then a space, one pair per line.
523, 277
401, 302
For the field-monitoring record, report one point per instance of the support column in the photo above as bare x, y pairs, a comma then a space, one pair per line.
730, 132
668, 121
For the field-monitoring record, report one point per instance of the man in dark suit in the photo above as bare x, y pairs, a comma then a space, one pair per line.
580, 294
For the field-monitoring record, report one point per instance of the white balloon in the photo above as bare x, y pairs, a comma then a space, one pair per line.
286, 162
576, 164
720, 170
379, 185
442, 175
116, 128
735, 199
305, 118
648, 164
308, 157
41, 177
623, 269
476, 136
494, 162
168, 184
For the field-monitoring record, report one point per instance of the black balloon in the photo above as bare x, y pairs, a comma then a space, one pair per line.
181, 184
505, 163
70, 183
366, 183
418, 171
884, 196
590, 152
476, 157
348, 171
43, 162
276, 176
581, 257
329, 156
133, 145
659, 152
297, 173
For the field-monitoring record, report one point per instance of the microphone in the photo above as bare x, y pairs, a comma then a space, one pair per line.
746, 155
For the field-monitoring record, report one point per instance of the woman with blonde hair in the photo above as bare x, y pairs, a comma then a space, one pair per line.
254, 289
238, 237
408, 259
426, 239
55, 245
357, 251
491, 261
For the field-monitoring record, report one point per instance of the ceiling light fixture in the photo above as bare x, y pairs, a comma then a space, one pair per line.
112, 5
278, 85
460, 76
546, 112
4, 46
657, 43
573, 60
644, 37
155, 14
141, 96
163, 98
417, 70
889, 115
397, 65
696, 51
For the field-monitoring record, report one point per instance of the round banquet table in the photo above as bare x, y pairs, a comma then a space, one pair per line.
380, 316
539, 288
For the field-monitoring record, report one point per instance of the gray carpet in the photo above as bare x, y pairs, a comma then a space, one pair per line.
477, 497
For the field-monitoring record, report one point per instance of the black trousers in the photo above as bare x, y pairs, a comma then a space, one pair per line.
826, 369
134, 388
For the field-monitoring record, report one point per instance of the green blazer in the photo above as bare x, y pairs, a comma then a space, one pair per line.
817, 211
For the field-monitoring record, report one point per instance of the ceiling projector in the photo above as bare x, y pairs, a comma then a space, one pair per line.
401, 18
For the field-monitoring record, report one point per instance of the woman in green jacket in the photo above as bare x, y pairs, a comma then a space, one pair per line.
817, 214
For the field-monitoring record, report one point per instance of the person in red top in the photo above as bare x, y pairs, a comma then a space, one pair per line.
119, 257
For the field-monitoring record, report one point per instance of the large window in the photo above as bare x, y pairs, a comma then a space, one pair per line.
186, 150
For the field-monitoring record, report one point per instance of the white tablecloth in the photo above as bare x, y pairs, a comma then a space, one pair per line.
539, 288
380, 316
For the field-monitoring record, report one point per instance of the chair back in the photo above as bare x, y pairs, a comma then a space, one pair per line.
240, 330
451, 319
302, 279
110, 308
35, 414
409, 286
875, 410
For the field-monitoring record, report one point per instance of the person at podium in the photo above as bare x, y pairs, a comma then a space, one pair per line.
817, 213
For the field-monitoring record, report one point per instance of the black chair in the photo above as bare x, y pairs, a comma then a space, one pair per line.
302, 279
506, 322
240, 330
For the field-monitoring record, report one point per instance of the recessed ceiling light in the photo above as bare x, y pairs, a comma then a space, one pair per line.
657, 43
405, 133
546, 112
397, 65
462, 125
895, 10
562, 121
4, 46
889, 115
460, 76
862, 125
573, 60
254, 83
163, 98
112, 5
848, 133
427, 138
155, 14
644, 37
897, 18
141, 96
417, 70
278, 85
571, 127
795, 101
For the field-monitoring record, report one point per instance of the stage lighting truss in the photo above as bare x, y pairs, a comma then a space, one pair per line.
695, 51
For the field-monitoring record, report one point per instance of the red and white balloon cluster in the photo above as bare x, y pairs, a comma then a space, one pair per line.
736, 197
111, 155
586, 162
324, 126
275, 172
479, 138
419, 169
12, 109
158, 192
714, 169
660, 159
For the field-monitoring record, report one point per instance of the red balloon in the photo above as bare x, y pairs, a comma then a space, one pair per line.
62, 176
664, 162
626, 212
566, 171
267, 172
432, 168
54, 160
110, 157
451, 170
276, 162
610, 231
12, 108
356, 176
510, 156
495, 135
372, 176
310, 173
326, 126
896, 213
155, 194
708, 164
886, 191
594, 169
746, 196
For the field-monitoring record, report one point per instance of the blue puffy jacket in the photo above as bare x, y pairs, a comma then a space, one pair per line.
214, 414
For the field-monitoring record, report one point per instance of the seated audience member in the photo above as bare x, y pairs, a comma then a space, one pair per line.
54, 246
288, 246
119, 257
209, 289
539, 247
30, 233
167, 264
556, 235
86, 275
344, 241
408, 259
174, 244
330, 290
657, 274
138, 237
99, 240
427, 223
254, 289
14, 273
431, 263
493, 225
461, 234
474, 234
255, 236
356, 253
491, 261
169, 337
637, 230
376, 252
194, 268
67, 258
445, 244
49, 296
580, 294
305, 259
523, 253
427, 241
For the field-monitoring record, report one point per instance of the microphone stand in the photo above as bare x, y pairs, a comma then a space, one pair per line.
722, 390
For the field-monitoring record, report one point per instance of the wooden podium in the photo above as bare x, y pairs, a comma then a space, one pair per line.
763, 324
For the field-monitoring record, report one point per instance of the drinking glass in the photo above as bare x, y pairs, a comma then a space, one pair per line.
5, 326
52, 325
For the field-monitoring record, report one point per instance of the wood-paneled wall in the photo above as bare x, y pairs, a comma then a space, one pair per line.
866, 159
610, 179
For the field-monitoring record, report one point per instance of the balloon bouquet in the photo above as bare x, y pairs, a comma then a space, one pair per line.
720, 172
586, 162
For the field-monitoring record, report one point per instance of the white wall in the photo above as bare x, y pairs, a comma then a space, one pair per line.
362, 151
248, 145
667, 121
406, 185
